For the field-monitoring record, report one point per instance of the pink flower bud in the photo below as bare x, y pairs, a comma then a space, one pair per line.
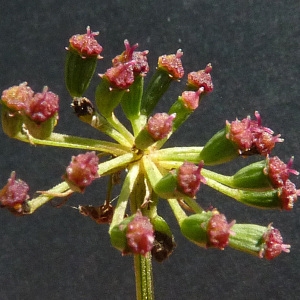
273, 244
172, 64
201, 78
218, 231
140, 234
189, 178
160, 125
42, 106
17, 97
14, 193
121, 76
191, 98
86, 44
82, 171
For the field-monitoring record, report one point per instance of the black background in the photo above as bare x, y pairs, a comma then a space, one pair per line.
254, 49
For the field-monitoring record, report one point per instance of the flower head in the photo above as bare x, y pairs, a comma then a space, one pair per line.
278, 171
86, 44
273, 244
172, 64
82, 171
14, 193
42, 106
140, 57
160, 125
288, 195
251, 137
189, 178
17, 97
201, 78
218, 231
140, 234
121, 76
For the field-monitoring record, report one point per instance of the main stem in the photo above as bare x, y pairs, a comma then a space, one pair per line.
143, 277
142, 264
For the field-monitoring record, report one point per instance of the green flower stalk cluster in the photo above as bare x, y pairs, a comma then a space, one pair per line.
153, 173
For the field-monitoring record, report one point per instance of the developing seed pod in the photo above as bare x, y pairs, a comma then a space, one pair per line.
82, 55
219, 149
169, 69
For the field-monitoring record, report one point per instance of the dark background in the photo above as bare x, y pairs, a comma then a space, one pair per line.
254, 49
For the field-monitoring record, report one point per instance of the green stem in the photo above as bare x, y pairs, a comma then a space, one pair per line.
227, 180
74, 142
126, 190
191, 154
193, 205
177, 210
113, 120
143, 277
37, 202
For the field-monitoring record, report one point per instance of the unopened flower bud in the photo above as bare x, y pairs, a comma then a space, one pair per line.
42, 106
172, 64
82, 171
184, 106
158, 127
42, 114
133, 235
14, 100
14, 194
83, 53
184, 181
200, 79
189, 178
17, 97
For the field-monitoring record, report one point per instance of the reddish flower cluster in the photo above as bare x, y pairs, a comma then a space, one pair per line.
140, 234
86, 44
172, 64
126, 66
273, 244
82, 171
201, 78
251, 137
278, 173
140, 57
14, 193
218, 231
160, 125
42, 106
189, 178
38, 107
17, 97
